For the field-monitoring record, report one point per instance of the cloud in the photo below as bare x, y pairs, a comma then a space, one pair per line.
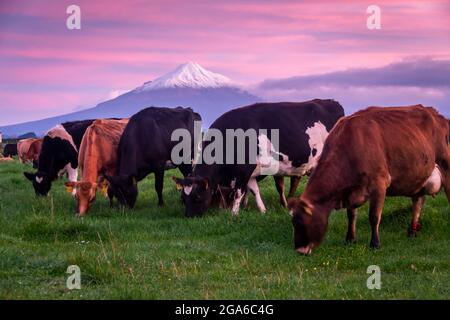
423, 72
412, 81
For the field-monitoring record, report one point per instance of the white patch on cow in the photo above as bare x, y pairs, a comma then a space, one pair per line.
62, 171
434, 183
60, 132
291, 212
187, 190
73, 176
317, 135
66, 169
253, 187
39, 179
237, 202
266, 164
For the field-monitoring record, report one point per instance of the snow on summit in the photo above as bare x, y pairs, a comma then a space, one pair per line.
188, 75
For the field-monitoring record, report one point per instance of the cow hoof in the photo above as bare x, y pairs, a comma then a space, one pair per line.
304, 250
350, 241
375, 246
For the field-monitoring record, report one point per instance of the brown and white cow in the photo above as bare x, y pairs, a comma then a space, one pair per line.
97, 157
29, 149
374, 153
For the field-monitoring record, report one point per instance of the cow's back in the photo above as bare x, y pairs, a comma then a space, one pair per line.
291, 119
398, 144
146, 139
98, 149
281, 115
76, 129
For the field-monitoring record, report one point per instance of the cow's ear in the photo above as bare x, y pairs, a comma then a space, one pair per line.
306, 207
30, 176
178, 182
103, 186
295, 204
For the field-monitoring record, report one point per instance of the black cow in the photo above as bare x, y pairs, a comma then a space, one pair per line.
10, 150
145, 147
302, 129
59, 154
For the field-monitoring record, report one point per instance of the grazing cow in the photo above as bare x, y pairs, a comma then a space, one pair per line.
302, 129
97, 157
374, 153
59, 155
10, 150
29, 150
145, 147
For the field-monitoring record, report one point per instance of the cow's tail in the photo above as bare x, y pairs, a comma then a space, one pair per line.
445, 171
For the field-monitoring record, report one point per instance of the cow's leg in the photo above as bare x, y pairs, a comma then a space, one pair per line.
245, 199
237, 201
111, 197
159, 183
375, 210
351, 230
253, 187
279, 184
418, 203
294, 185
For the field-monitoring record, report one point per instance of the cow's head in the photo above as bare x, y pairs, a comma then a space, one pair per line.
310, 224
196, 195
124, 188
85, 194
41, 182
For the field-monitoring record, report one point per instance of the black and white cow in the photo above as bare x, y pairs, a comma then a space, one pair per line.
59, 155
302, 129
145, 147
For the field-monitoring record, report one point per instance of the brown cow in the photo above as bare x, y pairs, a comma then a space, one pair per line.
377, 152
97, 157
28, 150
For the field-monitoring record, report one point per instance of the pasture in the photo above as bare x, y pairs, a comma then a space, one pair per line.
157, 253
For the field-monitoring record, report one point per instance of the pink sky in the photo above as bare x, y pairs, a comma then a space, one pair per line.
48, 70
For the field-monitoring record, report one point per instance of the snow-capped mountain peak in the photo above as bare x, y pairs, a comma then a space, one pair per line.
188, 75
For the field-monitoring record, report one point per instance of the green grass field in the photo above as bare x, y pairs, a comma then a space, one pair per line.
157, 253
